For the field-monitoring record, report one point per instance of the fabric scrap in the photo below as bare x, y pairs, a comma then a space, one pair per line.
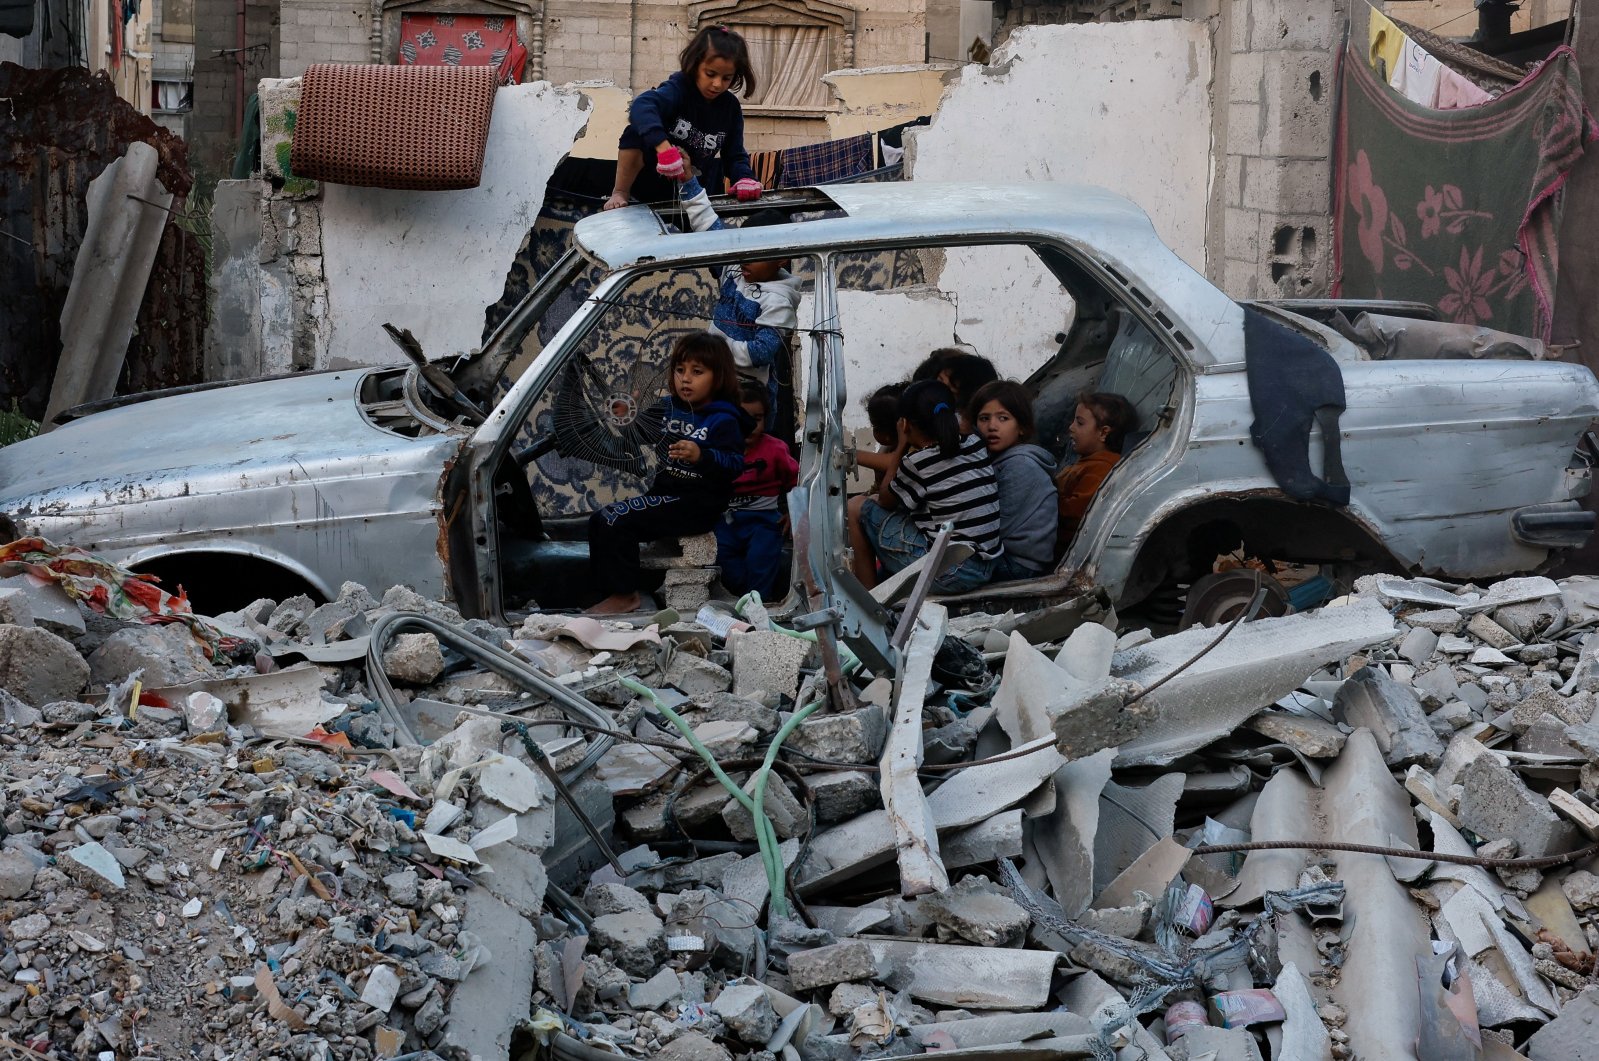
1387, 41
1457, 208
828, 161
1416, 75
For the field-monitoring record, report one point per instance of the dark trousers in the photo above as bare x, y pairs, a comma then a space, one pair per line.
749, 550
616, 530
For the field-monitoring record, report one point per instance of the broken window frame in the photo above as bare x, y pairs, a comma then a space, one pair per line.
475, 533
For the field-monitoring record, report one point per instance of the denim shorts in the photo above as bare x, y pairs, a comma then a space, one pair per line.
899, 542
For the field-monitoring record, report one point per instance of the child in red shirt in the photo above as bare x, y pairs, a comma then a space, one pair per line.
749, 537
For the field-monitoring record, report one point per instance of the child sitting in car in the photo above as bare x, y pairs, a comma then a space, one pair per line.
1098, 432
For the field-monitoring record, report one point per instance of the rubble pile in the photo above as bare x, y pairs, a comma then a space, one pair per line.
371, 829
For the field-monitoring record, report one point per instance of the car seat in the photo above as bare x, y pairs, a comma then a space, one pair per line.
1141, 370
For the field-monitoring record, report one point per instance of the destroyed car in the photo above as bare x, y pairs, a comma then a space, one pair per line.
441, 475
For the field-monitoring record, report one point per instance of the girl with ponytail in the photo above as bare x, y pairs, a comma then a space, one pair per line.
937, 474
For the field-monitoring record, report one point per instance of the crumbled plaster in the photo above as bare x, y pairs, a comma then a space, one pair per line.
1123, 105
431, 261
869, 100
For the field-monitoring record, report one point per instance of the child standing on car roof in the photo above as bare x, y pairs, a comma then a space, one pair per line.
692, 117
940, 475
702, 452
749, 537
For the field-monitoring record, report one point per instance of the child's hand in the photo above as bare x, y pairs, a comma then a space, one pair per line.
616, 201
747, 189
904, 435
669, 163
685, 451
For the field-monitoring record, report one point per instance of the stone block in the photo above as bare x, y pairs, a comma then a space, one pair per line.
978, 911
37, 667
786, 813
479, 1023
168, 655
1496, 805
15, 609
765, 661
1243, 79
747, 1012
855, 737
842, 794
414, 659
694, 676
1287, 186
826, 966
1297, 95
635, 938
1294, 24
1394, 715
1243, 128
1242, 238
1572, 1036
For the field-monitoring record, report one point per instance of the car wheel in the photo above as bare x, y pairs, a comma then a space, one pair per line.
1221, 597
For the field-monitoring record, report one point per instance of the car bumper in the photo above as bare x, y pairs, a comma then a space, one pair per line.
1559, 525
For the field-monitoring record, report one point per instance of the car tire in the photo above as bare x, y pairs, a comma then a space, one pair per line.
1222, 596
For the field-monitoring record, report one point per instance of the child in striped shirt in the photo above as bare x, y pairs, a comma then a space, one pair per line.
938, 475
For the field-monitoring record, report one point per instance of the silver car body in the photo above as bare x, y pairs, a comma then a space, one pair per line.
296, 472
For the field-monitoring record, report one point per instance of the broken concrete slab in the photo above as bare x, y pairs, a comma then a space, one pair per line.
1064, 838
970, 796
836, 964
1309, 736
915, 829
978, 911
1258, 664
1572, 1036
1391, 711
967, 977
1497, 805
478, 1023
766, 661
851, 737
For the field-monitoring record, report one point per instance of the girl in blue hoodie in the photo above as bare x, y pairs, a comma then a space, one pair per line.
702, 452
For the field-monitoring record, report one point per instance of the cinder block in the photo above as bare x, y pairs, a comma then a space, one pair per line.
1287, 186
1240, 279
1297, 96
1243, 129
1241, 234
1295, 25
1243, 77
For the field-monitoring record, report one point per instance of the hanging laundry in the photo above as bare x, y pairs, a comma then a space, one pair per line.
1456, 208
1416, 76
830, 160
1387, 41
1455, 90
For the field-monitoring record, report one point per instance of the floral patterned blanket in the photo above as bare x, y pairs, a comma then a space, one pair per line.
1458, 208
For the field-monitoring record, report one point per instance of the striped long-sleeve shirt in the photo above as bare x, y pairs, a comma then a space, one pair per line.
961, 490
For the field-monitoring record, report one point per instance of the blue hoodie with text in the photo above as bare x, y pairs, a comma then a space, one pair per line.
719, 428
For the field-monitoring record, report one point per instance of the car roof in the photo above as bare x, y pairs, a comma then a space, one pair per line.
1104, 226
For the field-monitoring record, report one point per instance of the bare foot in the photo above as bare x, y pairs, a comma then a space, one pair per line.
616, 201
617, 604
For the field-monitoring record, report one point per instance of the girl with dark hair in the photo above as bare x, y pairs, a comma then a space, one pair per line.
963, 372
692, 117
1003, 411
1098, 432
701, 451
938, 475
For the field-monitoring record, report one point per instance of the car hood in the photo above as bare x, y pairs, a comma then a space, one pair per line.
230, 438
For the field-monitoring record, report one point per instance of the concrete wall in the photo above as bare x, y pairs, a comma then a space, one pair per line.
1270, 227
869, 100
324, 31
1123, 106
218, 66
431, 261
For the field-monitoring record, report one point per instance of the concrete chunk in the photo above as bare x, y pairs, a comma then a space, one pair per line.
842, 794
659, 990
415, 659
764, 661
855, 737
479, 1023
1486, 630
1371, 699
1418, 645
37, 667
747, 1012
1258, 664
1572, 1036
826, 966
785, 812
635, 938
978, 911
1310, 737
1497, 805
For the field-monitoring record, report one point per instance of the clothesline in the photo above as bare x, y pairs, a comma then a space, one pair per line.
1415, 72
